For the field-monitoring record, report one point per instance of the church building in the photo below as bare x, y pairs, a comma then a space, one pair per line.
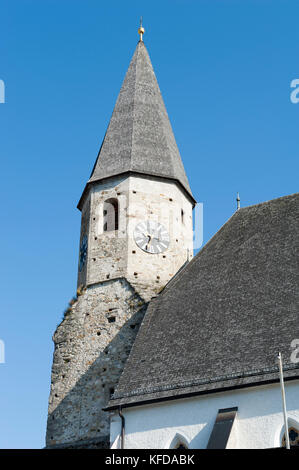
160, 349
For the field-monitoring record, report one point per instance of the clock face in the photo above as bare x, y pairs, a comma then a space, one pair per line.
83, 253
151, 237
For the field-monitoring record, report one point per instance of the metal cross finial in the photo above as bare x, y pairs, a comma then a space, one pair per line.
141, 30
238, 201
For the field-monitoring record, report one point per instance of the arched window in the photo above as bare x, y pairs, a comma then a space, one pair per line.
293, 436
178, 442
180, 445
110, 215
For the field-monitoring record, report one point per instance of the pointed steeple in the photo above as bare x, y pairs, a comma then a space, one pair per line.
139, 138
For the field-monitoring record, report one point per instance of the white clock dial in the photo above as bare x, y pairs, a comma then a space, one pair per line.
151, 237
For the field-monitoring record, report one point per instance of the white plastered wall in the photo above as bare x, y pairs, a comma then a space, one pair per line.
258, 425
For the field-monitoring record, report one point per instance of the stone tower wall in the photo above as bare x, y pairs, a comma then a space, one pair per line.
161, 201
91, 346
95, 337
115, 254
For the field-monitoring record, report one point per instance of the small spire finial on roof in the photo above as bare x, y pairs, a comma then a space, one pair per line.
238, 201
141, 30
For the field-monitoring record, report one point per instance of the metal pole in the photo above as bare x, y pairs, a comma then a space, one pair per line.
122, 432
286, 427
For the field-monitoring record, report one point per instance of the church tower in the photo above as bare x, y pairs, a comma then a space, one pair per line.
136, 233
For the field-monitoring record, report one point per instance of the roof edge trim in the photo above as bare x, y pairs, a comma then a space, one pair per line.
139, 173
182, 396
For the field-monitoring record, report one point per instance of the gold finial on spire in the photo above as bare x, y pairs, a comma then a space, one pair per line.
141, 30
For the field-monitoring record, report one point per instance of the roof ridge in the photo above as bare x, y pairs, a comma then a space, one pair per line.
288, 196
134, 96
183, 268
160, 111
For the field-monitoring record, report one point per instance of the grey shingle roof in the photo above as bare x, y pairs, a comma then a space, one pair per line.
139, 137
220, 323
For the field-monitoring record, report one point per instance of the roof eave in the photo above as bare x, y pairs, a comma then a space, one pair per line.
257, 382
139, 173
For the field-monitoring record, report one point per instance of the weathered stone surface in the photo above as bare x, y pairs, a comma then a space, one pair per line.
91, 346
101, 443
115, 254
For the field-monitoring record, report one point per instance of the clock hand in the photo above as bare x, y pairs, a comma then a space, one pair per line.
149, 241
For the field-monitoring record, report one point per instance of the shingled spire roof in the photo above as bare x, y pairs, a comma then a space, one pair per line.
139, 137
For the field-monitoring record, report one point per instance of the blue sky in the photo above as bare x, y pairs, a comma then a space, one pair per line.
224, 68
